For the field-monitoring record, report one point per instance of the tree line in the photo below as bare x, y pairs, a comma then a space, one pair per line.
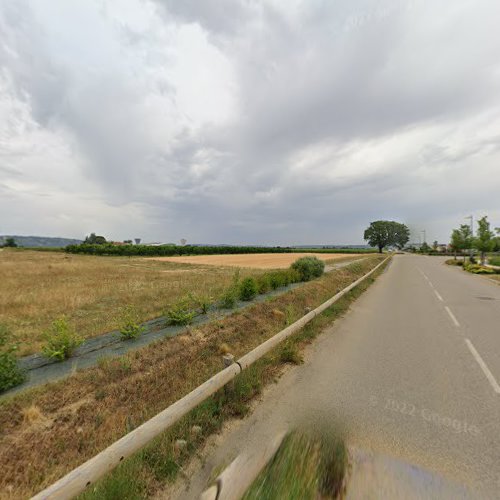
167, 250
484, 241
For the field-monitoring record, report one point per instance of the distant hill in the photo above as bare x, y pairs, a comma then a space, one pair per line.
40, 241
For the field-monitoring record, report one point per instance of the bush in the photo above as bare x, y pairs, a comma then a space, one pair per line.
203, 301
248, 289
454, 262
130, 328
263, 284
230, 295
181, 312
61, 340
10, 374
308, 268
478, 269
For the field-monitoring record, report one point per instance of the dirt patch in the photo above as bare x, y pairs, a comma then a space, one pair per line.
254, 260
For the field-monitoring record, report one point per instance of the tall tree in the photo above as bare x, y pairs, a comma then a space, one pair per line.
384, 233
94, 239
485, 239
461, 239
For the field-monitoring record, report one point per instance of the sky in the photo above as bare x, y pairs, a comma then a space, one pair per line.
248, 122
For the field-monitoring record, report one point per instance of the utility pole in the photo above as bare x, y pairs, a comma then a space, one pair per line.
471, 217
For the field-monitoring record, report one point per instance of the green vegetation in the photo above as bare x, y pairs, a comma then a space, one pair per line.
61, 340
248, 288
93, 239
306, 467
384, 233
494, 261
453, 262
202, 301
180, 312
130, 327
167, 250
461, 239
9, 243
308, 268
478, 268
485, 239
10, 374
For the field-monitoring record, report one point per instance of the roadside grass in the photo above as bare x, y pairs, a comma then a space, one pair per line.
307, 466
91, 291
494, 261
74, 419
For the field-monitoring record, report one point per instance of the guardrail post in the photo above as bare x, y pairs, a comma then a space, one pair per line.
228, 360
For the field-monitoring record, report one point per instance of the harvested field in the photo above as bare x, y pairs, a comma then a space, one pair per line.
256, 261
38, 287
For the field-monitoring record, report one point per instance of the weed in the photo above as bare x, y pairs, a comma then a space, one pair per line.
289, 314
10, 374
61, 340
290, 354
130, 328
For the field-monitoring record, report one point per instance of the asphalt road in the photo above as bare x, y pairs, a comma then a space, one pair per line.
412, 372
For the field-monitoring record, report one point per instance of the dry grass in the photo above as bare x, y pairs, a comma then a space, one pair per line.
257, 261
76, 418
38, 287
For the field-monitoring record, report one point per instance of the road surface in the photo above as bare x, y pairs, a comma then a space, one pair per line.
412, 371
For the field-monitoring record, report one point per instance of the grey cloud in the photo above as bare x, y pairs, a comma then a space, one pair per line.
343, 74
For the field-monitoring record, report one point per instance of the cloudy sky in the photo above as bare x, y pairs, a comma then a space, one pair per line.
240, 121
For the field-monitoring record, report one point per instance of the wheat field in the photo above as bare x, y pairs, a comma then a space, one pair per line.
38, 287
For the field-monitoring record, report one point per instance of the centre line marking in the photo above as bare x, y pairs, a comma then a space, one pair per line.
482, 364
438, 296
452, 316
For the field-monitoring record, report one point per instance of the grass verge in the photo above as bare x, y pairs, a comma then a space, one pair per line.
72, 420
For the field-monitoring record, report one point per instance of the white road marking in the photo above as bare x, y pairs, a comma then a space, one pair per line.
482, 364
452, 316
438, 296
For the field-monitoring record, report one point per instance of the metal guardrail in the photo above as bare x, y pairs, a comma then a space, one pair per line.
89, 472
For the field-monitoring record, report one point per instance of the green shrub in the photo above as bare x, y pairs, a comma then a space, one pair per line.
282, 277
10, 374
308, 267
230, 296
181, 312
130, 327
248, 288
61, 340
203, 301
263, 283
454, 262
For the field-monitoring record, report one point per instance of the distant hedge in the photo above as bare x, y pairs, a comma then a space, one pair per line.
334, 250
168, 250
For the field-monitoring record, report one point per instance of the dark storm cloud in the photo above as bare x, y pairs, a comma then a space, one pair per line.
271, 122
